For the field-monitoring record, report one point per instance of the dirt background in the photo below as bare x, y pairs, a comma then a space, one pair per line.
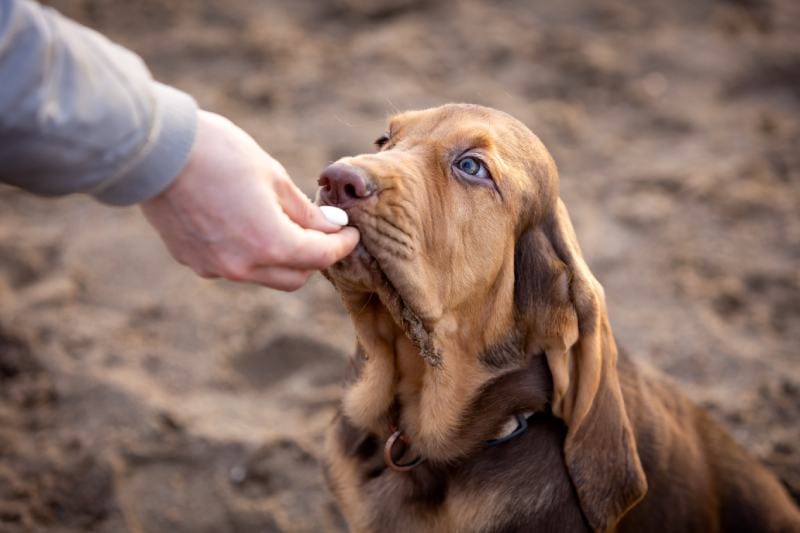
135, 396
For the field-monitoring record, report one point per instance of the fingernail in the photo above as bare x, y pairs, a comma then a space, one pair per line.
334, 215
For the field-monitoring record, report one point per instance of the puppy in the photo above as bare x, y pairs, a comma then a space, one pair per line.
487, 392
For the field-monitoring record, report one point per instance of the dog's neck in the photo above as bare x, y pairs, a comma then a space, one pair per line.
396, 385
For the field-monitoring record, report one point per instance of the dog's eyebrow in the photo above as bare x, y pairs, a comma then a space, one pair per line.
481, 140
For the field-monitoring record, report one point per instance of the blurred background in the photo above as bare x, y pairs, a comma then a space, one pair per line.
135, 396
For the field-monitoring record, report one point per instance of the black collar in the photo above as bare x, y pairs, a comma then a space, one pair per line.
522, 426
399, 435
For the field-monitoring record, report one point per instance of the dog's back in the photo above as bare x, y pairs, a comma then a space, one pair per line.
698, 477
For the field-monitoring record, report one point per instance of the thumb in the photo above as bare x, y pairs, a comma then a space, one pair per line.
301, 210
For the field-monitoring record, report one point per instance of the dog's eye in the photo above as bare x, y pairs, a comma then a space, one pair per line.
383, 139
472, 167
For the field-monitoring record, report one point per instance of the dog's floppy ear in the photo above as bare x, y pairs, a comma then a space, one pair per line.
561, 308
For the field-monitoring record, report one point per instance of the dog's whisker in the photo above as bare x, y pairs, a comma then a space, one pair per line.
342, 121
366, 304
394, 107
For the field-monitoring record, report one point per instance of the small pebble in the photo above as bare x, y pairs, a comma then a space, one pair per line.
237, 474
334, 215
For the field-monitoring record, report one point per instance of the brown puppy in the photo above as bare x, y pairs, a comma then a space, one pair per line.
473, 308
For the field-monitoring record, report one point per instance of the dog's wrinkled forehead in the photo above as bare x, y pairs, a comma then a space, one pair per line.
523, 165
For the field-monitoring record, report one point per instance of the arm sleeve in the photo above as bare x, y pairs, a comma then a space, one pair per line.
81, 114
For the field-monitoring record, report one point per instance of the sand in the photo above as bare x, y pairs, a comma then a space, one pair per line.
135, 396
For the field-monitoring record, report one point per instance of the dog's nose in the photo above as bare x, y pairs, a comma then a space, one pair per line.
344, 185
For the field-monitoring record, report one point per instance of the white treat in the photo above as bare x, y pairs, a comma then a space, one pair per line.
334, 215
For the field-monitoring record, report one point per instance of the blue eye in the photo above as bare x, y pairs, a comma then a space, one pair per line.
472, 168
470, 165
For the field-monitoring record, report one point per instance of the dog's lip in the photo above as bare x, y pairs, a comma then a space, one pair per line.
355, 215
405, 315
375, 260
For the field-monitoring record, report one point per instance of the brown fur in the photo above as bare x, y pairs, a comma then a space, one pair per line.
472, 302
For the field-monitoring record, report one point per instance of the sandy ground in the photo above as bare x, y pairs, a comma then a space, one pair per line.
134, 396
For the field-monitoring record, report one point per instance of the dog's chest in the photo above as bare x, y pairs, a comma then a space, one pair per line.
522, 484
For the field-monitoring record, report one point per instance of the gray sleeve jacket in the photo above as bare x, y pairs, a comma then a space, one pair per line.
81, 114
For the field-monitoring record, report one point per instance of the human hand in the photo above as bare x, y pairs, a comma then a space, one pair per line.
233, 212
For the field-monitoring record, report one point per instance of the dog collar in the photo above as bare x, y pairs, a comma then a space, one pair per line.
515, 426
388, 448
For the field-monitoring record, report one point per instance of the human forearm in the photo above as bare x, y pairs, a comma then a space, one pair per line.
80, 114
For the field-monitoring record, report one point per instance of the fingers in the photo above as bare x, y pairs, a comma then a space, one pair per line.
287, 266
311, 249
302, 210
283, 279
292, 260
275, 277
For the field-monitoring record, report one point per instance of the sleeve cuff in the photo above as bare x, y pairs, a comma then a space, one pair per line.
165, 155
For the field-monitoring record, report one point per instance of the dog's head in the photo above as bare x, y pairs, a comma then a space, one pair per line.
468, 266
